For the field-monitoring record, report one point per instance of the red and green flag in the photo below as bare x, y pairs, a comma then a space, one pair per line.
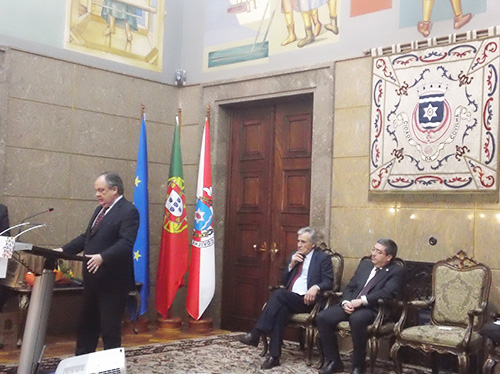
174, 246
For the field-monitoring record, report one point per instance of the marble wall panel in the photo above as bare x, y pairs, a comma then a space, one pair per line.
487, 234
160, 101
191, 136
353, 83
190, 101
34, 173
158, 183
105, 92
453, 229
160, 138
156, 213
85, 169
424, 200
350, 182
41, 79
104, 135
38, 126
354, 230
351, 132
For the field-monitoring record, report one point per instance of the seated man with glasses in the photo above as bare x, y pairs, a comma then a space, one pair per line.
359, 305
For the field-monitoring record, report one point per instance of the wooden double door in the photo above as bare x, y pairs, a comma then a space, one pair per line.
268, 201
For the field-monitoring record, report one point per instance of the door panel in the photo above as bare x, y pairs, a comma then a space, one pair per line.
268, 201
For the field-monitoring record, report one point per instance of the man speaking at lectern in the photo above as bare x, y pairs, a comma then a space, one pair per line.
109, 274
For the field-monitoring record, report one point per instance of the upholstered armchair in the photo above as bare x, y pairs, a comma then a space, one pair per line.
382, 327
305, 321
460, 290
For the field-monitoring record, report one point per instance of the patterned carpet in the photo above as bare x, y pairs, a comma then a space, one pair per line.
222, 354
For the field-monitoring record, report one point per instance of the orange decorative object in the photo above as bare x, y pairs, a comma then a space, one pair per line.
29, 277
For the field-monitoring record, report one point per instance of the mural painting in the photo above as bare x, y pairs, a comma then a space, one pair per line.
127, 31
302, 22
272, 27
424, 12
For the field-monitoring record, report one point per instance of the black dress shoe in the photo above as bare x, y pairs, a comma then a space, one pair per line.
356, 370
249, 339
270, 363
332, 367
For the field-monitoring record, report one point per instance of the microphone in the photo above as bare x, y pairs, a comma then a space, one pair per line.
34, 215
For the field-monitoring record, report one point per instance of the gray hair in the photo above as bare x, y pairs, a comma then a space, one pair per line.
113, 180
314, 237
391, 248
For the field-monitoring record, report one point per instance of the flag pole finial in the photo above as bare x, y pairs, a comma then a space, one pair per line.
179, 118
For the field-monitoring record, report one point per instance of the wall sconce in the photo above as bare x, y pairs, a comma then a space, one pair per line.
180, 77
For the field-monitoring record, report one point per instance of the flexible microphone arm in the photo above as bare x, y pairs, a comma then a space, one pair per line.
34, 215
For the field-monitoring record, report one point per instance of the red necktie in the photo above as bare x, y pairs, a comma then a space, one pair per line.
98, 220
297, 275
369, 285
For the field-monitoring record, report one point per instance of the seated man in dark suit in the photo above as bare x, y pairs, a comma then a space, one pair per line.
491, 330
359, 304
309, 270
4, 220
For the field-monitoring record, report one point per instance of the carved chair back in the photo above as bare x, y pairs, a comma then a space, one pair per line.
459, 284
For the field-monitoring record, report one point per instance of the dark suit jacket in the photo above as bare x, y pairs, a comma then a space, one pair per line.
4, 219
387, 284
320, 271
114, 240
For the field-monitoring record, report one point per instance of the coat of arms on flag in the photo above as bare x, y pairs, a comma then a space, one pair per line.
434, 118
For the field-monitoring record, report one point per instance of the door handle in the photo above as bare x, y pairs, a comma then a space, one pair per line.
274, 249
263, 248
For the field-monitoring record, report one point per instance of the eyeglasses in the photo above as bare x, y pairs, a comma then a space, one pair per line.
378, 251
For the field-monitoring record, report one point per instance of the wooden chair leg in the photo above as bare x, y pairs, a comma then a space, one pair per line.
395, 358
309, 345
373, 349
463, 363
489, 363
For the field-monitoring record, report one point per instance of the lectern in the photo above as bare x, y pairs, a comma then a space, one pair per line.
38, 312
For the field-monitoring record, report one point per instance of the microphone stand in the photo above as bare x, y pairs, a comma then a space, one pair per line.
34, 215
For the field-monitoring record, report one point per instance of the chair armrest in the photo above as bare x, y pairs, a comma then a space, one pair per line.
470, 325
406, 305
419, 304
331, 297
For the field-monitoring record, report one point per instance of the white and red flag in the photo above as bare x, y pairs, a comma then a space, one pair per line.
201, 284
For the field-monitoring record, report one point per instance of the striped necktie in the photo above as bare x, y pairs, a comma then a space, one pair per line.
98, 220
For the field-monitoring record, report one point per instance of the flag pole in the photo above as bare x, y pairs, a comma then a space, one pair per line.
138, 317
174, 245
201, 284
179, 116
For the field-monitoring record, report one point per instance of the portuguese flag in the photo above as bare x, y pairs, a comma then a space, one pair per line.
174, 246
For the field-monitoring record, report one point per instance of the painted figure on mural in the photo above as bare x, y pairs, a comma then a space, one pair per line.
115, 11
424, 27
312, 25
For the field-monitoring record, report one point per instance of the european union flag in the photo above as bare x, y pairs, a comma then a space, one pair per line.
141, 246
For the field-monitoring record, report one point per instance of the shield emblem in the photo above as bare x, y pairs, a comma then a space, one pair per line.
431, 108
